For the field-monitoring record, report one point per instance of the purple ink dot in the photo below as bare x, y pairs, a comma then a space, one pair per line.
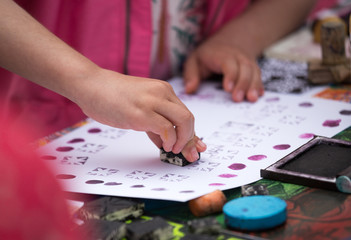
257, 157
159, 189
48, 157
94, 130
64, 149
307, 135
281, 146
237, 166
306, 104
227, 175
137, 186
76, 140
94, 182
345, 112
112, 184
331, 123
65, 176
216, 184
187, 191
273, 99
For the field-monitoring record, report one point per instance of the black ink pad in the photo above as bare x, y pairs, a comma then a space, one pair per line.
322, 163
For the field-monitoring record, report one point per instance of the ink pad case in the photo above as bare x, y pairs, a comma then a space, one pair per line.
321, 163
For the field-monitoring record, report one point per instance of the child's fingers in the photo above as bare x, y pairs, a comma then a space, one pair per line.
230, 70
256, 88
200, 145
155, 139
163, 128
184, 133
182, 121
243, 81
192, 149
191, 75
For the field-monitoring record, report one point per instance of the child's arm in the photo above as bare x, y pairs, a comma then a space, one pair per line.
30, 50
232, 51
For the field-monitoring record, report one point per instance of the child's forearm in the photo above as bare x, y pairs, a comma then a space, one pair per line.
264, 22
30, 50
118, 100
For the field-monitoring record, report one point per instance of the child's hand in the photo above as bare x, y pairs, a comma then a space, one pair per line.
241, 74
190, 151
140, 104
233, 48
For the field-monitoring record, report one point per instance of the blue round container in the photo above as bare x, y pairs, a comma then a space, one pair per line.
255, 213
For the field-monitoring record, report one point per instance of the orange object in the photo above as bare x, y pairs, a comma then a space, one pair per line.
208, 204
318, 25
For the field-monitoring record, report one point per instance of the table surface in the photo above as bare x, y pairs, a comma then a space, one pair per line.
312, 213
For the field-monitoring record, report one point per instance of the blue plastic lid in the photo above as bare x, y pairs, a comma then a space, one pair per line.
255, 213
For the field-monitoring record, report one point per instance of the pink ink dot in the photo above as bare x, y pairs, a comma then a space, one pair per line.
273, 99
281, 146
187, 191
48, 157
306, 104
331, 123
237, 166
159, 189
94, 182
216, 184
94, 130
227, 175
112, 184
257, 157
64, 149
76, 140
345, 112
307, 135
65, 176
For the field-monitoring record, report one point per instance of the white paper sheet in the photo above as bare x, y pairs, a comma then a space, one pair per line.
242, 138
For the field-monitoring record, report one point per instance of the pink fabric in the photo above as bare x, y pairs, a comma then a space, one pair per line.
94, 29
322, 5
140, 38
97, 30
219, 12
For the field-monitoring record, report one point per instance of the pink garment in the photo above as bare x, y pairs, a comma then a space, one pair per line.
97, 29
322, 5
